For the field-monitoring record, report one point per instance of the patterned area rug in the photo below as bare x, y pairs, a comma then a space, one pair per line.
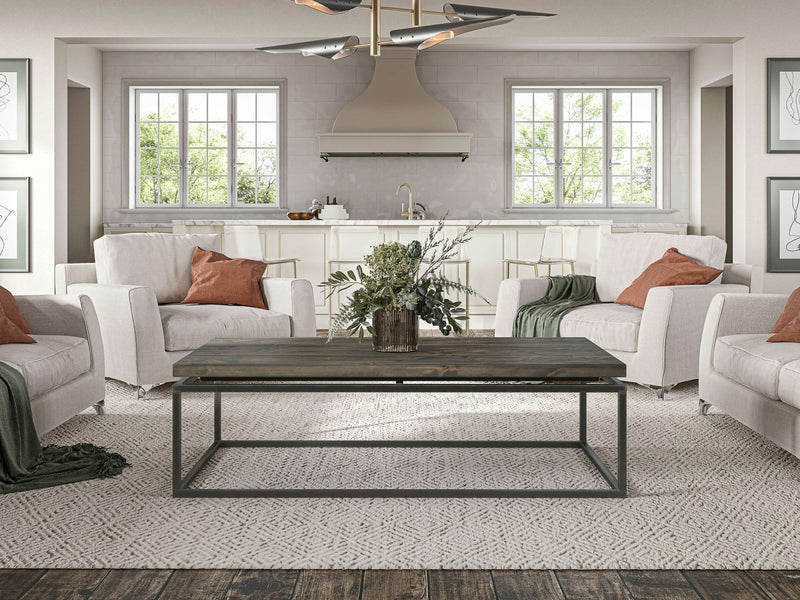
706, 492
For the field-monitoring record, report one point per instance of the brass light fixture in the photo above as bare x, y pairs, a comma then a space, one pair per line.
461, 18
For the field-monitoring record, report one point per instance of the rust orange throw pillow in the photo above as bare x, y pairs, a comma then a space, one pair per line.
671, 269
10, 333
790, 333
217, 279
789, 313
8, 305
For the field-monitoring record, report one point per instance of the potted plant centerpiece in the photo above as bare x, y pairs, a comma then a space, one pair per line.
401, 284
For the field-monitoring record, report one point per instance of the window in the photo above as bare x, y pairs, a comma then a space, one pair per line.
205, 147
589, 147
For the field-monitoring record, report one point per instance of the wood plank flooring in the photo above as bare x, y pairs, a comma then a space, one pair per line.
42, 584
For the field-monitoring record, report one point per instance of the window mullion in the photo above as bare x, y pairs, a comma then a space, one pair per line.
607, 153
232, 148
183, 152
654, 145
559, 151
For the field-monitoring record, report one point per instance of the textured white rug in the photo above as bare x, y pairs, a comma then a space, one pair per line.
706, 492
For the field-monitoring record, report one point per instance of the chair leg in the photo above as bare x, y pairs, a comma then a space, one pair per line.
466, 300
662, 392
703, 407
294, 263
100, 407
143, 391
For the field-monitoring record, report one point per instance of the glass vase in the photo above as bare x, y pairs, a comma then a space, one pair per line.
396, 330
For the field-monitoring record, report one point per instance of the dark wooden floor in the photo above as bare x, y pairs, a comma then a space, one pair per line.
397, 585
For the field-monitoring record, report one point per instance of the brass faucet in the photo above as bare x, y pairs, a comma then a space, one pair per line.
403, 213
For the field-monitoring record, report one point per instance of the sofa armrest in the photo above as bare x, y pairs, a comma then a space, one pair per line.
294, 297
514, 293
739, 274
131, 327
672, 327
67, 274
65, 315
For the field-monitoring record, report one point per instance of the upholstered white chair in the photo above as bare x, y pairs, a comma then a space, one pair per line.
63, 370
754, 381
137, 284
660, 344
244, 241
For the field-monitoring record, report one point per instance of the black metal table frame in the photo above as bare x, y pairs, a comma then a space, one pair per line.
181, 484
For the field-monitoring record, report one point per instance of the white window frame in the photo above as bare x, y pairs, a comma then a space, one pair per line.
661, 125
131, 146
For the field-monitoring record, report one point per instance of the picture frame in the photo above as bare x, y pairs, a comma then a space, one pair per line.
15, 106
783, 105
783, 224
15, 221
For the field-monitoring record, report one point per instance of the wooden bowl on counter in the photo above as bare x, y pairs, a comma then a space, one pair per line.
301, 216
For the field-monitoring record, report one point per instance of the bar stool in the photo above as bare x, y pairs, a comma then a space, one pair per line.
561, 241
244, 241
458, 260
348, 246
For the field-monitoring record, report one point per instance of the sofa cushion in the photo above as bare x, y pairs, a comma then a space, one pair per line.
217, 279
790, 312
8, 305
160, 261
49, 363
610, 326
789, 384
189, 326
750, 360
790, 333
622, 257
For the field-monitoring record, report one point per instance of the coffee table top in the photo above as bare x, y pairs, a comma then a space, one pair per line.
446, 358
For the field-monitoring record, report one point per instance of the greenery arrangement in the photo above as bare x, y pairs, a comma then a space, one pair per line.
402, 277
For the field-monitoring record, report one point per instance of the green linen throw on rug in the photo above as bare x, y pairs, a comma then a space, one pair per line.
542, 317
24, 463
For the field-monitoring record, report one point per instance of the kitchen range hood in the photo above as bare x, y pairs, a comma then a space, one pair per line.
395, 116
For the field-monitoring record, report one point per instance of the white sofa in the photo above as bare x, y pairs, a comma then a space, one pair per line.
136, 285
63, 370
660, 344
755, 381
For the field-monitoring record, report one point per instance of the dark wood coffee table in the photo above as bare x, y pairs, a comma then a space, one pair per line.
493, 365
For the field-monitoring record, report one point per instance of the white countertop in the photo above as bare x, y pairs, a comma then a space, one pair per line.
389, 222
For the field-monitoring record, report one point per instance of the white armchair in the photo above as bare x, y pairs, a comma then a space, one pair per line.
136, 286
754, 381
63, 370
660, 344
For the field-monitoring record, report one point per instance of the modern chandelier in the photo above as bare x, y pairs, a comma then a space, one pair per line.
461, 18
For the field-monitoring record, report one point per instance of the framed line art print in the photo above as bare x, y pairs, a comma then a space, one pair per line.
783, 225
14, 105
15, 211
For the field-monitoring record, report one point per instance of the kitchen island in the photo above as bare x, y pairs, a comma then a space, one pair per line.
315, 242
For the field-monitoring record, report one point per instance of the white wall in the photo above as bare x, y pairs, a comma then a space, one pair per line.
470, 84
766, 29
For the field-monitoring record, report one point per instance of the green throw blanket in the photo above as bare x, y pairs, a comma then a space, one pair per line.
24, 463
542, 317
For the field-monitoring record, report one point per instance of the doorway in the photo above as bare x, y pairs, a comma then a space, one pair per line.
79, 242
716, 213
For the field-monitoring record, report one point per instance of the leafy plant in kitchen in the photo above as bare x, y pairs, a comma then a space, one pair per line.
401, 278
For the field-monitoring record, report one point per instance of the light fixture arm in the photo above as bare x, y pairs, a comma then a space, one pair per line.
375, 29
